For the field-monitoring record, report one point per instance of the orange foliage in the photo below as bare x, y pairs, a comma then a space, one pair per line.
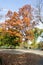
20, 24
25, 10
26, 20
30, 34
15, 16
9, 14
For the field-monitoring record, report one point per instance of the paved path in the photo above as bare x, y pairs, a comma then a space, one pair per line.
21, 51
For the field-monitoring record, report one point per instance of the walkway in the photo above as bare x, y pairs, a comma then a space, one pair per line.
21, 51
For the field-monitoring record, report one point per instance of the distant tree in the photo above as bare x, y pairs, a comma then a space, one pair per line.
38, 11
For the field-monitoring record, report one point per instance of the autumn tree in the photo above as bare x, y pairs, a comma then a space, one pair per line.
9, 14
20, 23
26, 16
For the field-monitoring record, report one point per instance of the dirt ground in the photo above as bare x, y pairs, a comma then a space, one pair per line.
20, 59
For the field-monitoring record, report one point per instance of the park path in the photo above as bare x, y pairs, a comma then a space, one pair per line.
21, 51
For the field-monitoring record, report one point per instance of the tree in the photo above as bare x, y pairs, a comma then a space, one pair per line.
39, 7
26, 15
37, 32
9, 14
20, 24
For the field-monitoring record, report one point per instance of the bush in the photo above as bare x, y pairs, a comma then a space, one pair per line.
9, 41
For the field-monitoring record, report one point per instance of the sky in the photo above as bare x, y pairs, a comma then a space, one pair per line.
15, 4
